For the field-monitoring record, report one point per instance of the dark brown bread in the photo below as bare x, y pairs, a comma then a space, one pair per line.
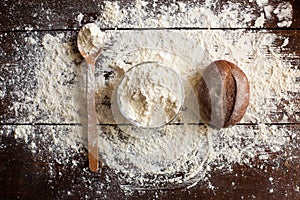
242, 95
223, 93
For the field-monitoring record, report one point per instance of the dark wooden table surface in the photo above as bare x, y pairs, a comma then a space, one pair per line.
24, 177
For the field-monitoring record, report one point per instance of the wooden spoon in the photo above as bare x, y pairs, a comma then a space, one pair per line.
90, 48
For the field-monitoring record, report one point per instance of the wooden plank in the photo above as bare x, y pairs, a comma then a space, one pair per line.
31, 172
59, 14
29, 175
19, 81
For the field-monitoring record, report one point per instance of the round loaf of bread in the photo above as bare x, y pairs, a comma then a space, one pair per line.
223, 92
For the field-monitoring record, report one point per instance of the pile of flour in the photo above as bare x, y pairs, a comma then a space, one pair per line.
150, 95
174, 155
142, 157
90, 39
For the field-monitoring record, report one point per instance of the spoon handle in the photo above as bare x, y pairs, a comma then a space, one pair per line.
91, 119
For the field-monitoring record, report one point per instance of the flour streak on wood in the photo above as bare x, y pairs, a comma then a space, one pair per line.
20, 82
58, 14
30, 168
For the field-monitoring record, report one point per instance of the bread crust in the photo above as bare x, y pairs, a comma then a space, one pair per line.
242, 95
223, 92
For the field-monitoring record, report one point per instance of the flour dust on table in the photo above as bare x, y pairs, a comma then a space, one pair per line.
173, 156
198, 14
177, 155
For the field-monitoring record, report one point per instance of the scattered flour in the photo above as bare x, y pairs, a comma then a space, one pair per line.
285, 42
152, 161
268, 11
262, 2
284, 13
79, 18
191, 14
144, 155
260, 21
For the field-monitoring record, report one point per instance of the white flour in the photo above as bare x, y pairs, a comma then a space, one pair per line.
79, 18
138, 154
192, 14
150, 95
262, 2
173, 155
284, 13
90, 39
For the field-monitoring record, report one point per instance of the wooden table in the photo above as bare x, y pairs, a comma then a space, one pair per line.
24, 177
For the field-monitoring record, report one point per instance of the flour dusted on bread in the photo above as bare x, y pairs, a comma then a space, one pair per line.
223, 92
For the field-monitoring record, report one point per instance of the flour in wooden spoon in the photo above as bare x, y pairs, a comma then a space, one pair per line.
90, 39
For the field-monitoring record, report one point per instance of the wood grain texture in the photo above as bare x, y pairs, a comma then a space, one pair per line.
18, 67
60, 15
24, 175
